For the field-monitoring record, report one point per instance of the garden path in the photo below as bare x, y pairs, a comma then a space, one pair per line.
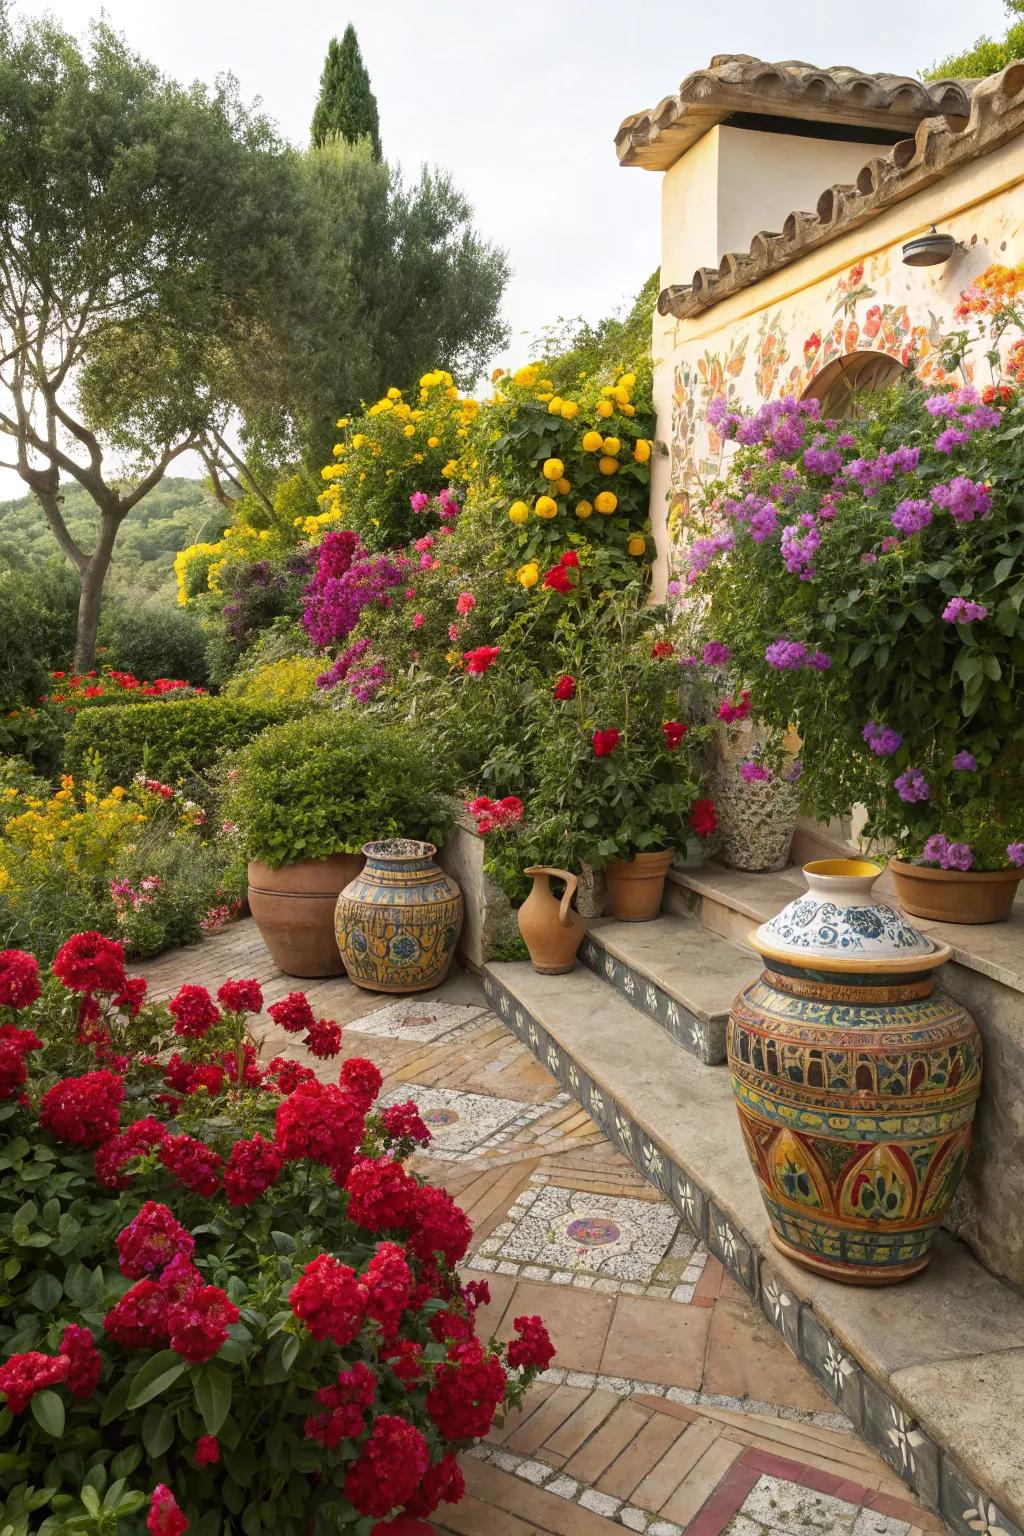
673, 1407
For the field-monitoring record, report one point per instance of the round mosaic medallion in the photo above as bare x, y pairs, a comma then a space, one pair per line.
440, 1116
593, 1231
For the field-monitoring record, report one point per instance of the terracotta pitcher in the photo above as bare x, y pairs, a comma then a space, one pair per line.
551, 930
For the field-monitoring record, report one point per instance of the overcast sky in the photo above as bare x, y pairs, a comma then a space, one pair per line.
520, 100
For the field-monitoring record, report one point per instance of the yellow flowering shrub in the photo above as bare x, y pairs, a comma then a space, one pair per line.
258, 532
291, 679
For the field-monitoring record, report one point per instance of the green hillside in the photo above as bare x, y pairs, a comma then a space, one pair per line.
176, 513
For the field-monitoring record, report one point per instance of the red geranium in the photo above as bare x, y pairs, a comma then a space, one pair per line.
402, 1123
380, 1194
558, 579
195, 1165
319, 1121
729, 712
405, 1358
194, 1012
165, 1518
15, 1045
605, 742
207, 1450
116, 1151
388, 1468
22, 1376
466, 1392
151, 1240
478, 661
533, 1347
673, 732
329, 1300
293, 1013
286, 1075
252, 1167
388, 1286
197, 1327
345, 1404
19, 978
241, 996
85, 1361
323, 1038
90, 963
662, 648
139, 1319
442, 1482
703, 817
132, 995
565, 688
82, 1111
438, 1225
362, 1079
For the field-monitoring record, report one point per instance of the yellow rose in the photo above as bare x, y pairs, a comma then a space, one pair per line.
569, 410
607, 466
433, 442
628, 410
628, 380
641, 450
528, 575
605, 408
583, 509
563, 486
554, 469
544, 395
637, 545
526, 376
606, 501
343, 422
592, 442
394, 394
359, 440
555, 406
620, 395
545, 506
409, 431
518, 512
611, 445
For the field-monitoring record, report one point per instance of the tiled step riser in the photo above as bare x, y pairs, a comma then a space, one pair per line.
876, 1415
716, 915
703, 1038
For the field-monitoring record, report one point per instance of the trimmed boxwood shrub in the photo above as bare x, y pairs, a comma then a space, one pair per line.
168, 739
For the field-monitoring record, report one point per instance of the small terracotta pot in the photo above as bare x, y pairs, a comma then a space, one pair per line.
551, 930
635, 888
294, 911
956, 895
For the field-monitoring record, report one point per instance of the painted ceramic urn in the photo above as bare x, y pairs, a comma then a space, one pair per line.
398, 922
855, 1080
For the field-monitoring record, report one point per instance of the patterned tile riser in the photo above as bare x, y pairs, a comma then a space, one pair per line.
703, 1038
878, 1417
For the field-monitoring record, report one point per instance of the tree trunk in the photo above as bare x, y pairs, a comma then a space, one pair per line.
90, 599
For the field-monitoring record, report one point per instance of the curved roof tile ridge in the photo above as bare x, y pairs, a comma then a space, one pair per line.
738, 82
939, 146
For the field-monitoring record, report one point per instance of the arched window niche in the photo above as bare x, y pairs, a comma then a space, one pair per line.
842, 385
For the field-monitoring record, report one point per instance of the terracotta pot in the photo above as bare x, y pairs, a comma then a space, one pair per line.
397, 923
956, 895
855, 1080
294, 911
551, 930
635, 888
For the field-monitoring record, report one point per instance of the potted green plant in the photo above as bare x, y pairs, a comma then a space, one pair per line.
305, 796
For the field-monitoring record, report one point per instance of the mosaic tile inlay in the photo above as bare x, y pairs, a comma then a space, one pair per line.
464, 1124
412, 1018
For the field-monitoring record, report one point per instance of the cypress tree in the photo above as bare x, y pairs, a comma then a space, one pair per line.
347, 105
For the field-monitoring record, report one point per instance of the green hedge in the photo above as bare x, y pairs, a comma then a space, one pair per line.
172, 740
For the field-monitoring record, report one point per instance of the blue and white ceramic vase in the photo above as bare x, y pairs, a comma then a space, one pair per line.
855, 1080
398, 922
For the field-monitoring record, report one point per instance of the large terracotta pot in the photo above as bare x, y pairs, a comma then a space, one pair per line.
398, 922
956, 895
294, 911
551, 930
855, 1080
636, 886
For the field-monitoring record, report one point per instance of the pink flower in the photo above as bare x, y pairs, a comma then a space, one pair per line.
465, 603
418, 621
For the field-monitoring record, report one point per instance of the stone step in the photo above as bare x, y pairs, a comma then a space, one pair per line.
931, 1373
681, 975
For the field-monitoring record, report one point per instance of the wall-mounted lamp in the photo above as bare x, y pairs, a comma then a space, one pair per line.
929, 250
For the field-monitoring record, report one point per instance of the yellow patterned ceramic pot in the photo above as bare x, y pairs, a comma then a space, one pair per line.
855, 1080
399, 920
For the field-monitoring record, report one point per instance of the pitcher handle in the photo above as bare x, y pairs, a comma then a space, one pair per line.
571, 887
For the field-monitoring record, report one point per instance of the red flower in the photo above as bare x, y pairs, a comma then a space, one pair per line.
533, 1347
252, 1167
557, 579
132, 995
86, 1362
662, 648
319, 1121
90, 963
438, 1226
139, 1319
165, 1518
673, 732
443, 1481
15, 1046
478, 661
405, 1358
286, 1075
19, 978
388, 1286
194, 1012
380, 1194
346, 1404
149, 1242
388, 1468
329, 1300
207, 1450
82, 1111
402, 1122
324, 1038
466, 1392
452, 1327
605, 742
241, 996
728, 711
703, 817
112, 1155
293, 1013
22, 1376
205, 1076
361, 1079
198, 1325
195, 1165
565, 688
476, 1293
570, 559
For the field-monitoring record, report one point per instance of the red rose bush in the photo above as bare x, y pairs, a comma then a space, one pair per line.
228, 1304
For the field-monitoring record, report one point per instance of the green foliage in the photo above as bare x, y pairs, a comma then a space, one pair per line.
327, 783
987, 55
574, 350
154, 639
290, 680
346, 106
172, 739
37, 633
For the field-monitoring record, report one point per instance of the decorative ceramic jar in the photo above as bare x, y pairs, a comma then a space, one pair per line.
551, 930
756, 820
294, 911
855, 1080
397, 923
636, 886
956, 895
